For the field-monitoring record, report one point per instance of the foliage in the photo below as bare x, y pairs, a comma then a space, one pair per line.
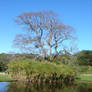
84, 57
66, 60
4, 60
28, 69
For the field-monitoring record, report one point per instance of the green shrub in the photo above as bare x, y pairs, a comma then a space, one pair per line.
26, 68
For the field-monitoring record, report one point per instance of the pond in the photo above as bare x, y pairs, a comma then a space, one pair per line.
22, 87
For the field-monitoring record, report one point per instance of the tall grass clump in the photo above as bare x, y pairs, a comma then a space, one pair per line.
41, 72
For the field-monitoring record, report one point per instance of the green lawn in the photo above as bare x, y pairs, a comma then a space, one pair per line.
85, 74
84, 78
5, 78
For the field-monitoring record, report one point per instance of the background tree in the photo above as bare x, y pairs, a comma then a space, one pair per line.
84, 57
44, 34
4, 61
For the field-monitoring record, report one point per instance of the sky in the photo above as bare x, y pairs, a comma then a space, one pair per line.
77, 13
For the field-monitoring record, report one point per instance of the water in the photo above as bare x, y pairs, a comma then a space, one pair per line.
3, 86
22, 87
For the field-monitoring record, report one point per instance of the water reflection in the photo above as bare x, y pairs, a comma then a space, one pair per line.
23, 87
3, 86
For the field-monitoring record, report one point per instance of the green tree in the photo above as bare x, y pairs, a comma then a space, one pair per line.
84, 57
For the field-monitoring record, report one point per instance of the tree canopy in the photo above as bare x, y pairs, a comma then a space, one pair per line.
84, 57
44, 33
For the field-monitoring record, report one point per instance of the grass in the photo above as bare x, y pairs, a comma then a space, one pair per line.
5, 78
86, 69
84, 78
85, 74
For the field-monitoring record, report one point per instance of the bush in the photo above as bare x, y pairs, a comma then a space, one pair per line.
26, 68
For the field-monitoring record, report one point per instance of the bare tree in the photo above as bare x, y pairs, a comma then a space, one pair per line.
44, 33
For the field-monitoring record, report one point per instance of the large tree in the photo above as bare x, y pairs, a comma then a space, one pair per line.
44, 33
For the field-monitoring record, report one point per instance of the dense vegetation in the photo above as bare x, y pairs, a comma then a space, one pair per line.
85, 57
27, 69
31, 67
5, 59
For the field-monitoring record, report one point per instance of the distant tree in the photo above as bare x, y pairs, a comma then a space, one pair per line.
84, 57
44, 33
4, 60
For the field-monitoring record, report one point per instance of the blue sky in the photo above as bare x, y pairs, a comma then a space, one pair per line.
77, 13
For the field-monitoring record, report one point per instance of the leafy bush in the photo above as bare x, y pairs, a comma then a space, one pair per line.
26, 68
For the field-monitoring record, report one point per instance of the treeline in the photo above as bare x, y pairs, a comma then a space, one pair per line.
5, 59
81, 58
84, 57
